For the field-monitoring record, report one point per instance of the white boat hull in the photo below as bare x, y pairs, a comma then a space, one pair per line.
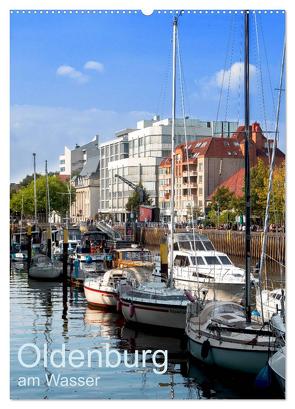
219, 291
242, 358
101, 297
277, 365
154, 314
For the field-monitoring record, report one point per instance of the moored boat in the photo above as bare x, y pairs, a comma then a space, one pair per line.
42, 267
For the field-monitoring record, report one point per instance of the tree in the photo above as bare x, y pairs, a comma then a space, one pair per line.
222, 199
133, 202
58, 191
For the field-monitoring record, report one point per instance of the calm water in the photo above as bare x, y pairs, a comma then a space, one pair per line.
39, 316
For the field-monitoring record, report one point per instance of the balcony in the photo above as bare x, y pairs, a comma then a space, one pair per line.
190, 173
192, 185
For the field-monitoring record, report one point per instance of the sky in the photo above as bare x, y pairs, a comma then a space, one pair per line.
77, 75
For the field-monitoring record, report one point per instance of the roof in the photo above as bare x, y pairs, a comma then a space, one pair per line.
234, 183
91, 166
214, 147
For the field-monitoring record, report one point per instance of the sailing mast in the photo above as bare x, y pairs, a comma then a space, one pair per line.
47, 196
172, 200
35, 191
247, 172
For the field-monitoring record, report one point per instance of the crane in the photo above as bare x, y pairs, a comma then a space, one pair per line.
139, 189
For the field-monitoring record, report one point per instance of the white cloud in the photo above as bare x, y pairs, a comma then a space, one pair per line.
71, 72
94, 65
234, 75
46, 130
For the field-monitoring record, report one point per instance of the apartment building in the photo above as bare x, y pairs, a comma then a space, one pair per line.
204, 164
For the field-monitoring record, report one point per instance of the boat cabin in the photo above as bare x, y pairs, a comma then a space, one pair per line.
192, 242
130, 256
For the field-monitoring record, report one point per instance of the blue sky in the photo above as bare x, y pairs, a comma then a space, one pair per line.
75, 75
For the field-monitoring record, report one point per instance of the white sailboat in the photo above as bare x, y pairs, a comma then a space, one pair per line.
223, 333
156, 303
43, 267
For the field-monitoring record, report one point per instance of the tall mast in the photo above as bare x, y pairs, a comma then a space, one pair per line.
35, 191
47, 195
172, 201
247, 172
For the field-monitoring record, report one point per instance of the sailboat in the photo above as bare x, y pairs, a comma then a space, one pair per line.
157, 303
42, 266
223, 333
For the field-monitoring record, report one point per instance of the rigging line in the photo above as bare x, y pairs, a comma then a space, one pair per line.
230, 70
270, 180
268, 70
164, 84
261, 79
187, 158
223, 74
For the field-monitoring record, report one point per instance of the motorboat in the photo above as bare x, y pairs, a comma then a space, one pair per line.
103, 290
42, 267
199, 267
272, 302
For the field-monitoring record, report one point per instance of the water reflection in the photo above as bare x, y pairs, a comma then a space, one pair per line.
53, 314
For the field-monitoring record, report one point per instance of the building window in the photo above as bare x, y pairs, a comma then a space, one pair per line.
62, 169
208, 124
62, 162
200, 203
200, 191
200, 167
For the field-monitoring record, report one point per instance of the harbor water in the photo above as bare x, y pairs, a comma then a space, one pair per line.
43, 314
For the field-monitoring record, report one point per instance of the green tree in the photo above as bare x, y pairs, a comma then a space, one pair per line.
58, 191
133, 202
222, 199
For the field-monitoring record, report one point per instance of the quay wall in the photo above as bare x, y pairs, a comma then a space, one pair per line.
228, 241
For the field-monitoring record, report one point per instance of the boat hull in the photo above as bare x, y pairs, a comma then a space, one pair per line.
100, 297
277, 366
232, 357
44, 273
219, 291
154, 314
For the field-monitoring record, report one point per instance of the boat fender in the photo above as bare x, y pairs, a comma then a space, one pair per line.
119, 305
205, 349
263, 379
131, 310
189, 296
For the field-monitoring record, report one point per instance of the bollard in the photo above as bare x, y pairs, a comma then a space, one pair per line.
49, 242
29, 237
164, 258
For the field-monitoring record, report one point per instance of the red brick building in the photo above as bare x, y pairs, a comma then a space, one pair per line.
207, 164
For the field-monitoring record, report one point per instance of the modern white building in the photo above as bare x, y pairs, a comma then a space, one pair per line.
72, 161
137, 153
